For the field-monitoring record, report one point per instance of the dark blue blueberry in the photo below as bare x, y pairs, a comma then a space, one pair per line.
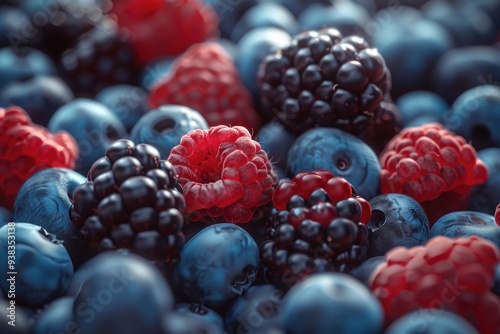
475, 114
339, 152
485, 197
255, 310
397, 220
164, 127
127, 102
120, 293
44, 200
276, 141
467, 223
14, 319
431, 321
5, 216
229, 12
264, 14
155, 71
416, 105
56, 317
253, 47
346, 16
461, 69
177, 322
331, 303
42, 264
198, 311
410, 47
93, 126
467, 25
21, 63
16, 28
40, 96
217, 265
364, 271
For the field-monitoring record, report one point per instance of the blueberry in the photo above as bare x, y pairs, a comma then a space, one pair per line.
474, 116
16, 29
44, 200
253, 47
331, 302
410, 48
217, 264
178, 322
467, 25
56, 317
119, 293
155, 72
93, 126
164, 127
339, 152
346, 16
20, 63
431, 321
255, 310
40, 96
418, 104
276, 141
461, 69
467, 223
364, 271
229, 12
264, 14
127, 102
397, 220
485, 197
42, 264
5, 216
198, 311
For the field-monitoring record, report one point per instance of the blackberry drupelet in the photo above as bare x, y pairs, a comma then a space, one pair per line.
324, 79
131, 200
100, 58
318, 225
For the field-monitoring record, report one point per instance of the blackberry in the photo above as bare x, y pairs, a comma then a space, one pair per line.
131, 200
102, 57
318, 225
60, 22
324, 79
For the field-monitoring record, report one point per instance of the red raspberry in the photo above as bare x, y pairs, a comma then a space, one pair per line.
27, 148
204, 78
223, 173
162, 28
434, 166
304, 184
451, 274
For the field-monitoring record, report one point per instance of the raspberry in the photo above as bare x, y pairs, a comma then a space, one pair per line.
325, 79
162, 28
131, 200
223, 173
101, 58
27, 148
319, 224
497, 215
204, 78
451, 274
432, 165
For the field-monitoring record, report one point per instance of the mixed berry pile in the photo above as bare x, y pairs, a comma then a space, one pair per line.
250, 166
